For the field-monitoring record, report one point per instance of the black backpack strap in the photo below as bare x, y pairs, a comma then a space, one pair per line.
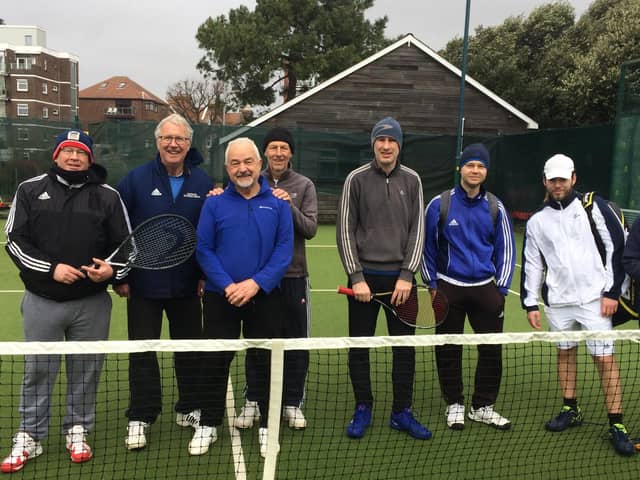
445, 203
587, 203
493, 207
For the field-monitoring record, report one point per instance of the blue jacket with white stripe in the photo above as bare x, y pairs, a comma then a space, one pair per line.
146, 192
468, 249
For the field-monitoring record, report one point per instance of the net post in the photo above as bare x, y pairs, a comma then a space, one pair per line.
275, 409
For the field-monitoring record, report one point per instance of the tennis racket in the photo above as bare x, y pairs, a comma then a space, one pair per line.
419, 310
160, 242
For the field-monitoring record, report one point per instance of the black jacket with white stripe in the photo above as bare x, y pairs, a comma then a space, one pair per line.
52, 222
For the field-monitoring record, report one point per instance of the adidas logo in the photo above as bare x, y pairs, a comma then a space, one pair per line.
44, 196
156, 193
453, 223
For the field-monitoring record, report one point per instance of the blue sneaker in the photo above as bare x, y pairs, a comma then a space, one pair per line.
360, 421
568, 417
620, 440
406, 422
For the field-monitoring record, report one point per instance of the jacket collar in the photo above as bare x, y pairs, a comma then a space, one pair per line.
563, 203
465, 198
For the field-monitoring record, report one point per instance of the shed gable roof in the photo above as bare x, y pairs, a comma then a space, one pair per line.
408, 40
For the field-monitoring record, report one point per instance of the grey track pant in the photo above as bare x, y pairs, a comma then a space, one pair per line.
45, 320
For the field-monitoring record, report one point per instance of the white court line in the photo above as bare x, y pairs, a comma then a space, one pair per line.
236, 442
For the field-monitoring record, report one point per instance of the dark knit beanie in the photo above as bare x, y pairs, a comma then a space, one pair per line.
475, 152
278, 134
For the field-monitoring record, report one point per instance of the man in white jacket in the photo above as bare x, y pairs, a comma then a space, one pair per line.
581, 288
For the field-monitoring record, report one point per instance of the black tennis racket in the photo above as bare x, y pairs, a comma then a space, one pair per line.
419, 310
161, 242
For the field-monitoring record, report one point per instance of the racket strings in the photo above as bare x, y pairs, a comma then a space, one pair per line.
420, 310
161, 243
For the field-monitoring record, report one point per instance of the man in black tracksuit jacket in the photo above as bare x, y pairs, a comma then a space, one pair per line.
60, 225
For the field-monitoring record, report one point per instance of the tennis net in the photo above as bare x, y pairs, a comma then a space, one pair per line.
529, 396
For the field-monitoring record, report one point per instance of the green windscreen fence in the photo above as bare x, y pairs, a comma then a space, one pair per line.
515, 173
626, 152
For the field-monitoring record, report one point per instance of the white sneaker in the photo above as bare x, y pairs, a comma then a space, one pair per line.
455, 416
489, 416
249, 413
191, 419
24, 448
295, 417
136, 438
202, 438
77, 445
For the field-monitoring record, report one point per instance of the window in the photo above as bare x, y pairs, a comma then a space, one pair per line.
54, 112
103, 85
22, 85
22, 109
45, 112
28, 40
150, 106
23, 134
121, 85
45, 88
24, 63
25, 156
54, 88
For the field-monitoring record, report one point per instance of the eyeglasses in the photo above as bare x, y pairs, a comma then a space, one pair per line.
71, 151
168, 139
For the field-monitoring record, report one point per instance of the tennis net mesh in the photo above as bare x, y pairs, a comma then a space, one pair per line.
529, 396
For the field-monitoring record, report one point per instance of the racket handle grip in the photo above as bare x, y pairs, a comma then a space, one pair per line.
345, 291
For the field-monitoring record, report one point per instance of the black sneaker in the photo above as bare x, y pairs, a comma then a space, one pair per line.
568, 417
620, 440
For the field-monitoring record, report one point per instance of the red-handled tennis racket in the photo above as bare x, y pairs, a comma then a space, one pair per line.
419, 310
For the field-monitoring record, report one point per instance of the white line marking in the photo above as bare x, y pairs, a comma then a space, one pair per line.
236, 442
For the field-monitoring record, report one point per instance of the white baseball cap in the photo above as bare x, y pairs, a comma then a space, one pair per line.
558, 166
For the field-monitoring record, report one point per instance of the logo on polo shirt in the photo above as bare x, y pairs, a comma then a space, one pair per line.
453, 223
156, 193
44, 196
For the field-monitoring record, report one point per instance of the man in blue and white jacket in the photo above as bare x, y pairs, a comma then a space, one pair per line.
171, 183
470, 257
580, 288
245, 245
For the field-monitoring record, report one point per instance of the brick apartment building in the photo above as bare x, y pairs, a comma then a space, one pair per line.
120, 98
35, 81
38, 98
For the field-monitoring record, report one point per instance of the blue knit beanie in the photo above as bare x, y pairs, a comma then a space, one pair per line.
74, 138
475, 152
387, 127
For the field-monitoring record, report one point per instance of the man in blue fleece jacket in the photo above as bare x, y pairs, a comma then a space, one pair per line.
245, 245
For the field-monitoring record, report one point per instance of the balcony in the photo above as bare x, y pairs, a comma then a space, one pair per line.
120, 112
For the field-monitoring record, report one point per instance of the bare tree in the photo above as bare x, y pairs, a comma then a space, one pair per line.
199, 101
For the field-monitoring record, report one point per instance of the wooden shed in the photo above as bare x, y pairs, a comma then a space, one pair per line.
406, 80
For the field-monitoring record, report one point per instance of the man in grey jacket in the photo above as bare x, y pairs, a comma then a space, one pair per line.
300, 192
380, 236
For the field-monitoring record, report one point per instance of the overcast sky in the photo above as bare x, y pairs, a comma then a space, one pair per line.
153, 41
